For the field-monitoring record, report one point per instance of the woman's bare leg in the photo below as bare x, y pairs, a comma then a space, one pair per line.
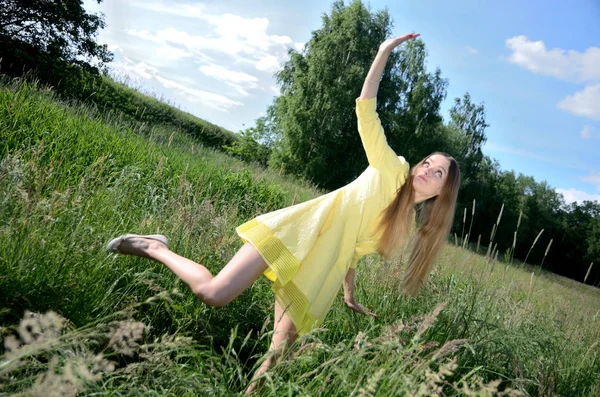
284, 334
241, 271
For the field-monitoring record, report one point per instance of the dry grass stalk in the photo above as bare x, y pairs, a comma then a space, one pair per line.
532, 245
40, 333
493, 235
545, 254
500, 215
489, 250
588, 272
512, 250
429, 345
371, 387
391, 332
466, 241
450, 347
433, 383
530, 285
481, 389
360, 341
494, 262
472, 217
463, 225
125, 337
429, 320
36, 331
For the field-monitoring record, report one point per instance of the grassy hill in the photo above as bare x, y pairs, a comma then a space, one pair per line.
72, 176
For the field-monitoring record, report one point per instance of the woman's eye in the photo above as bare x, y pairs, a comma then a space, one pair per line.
439, 173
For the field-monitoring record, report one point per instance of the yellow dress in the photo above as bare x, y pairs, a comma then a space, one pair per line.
310, 246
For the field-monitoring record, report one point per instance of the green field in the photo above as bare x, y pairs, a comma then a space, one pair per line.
72, 177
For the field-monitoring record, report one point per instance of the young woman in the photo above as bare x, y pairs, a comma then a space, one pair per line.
311, 249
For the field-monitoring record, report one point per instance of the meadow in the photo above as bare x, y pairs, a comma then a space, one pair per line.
76, 320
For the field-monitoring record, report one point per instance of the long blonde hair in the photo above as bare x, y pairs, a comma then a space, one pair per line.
435, 221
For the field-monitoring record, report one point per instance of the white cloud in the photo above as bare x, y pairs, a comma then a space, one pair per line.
245, 39
182, 10
197, 52
171, 54
472, 50
240, 90
594, 179
114, 48
224, 74
586, 132
583, 103
144, 34
568, 65
140, 69
572, 195
147, 72
267, 63
299, 46
209, 99
252, 31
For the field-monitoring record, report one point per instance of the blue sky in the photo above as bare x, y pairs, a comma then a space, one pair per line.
535, 65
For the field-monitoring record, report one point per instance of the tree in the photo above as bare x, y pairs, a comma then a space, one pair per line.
593, 239
249, 147
60, 28
315, 112
415, 115
469, 119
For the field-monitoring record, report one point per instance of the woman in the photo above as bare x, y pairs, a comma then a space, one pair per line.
311, 249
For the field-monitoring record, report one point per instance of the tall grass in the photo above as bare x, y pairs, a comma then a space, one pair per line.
72, 177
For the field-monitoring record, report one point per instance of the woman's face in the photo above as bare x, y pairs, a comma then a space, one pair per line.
430, 177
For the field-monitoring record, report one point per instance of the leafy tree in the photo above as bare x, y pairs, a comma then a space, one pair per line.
416, 120
314, 116
315, 112
593, 239
470, 120
59, 28
248, 147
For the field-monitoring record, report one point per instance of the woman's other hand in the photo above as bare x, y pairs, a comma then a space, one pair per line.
354, 306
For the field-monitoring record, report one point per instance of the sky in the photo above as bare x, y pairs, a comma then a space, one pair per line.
535, 65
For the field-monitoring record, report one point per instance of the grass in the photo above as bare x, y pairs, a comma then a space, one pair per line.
72, 177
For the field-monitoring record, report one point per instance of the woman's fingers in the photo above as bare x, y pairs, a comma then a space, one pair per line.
359, 309
410, 36
373, 314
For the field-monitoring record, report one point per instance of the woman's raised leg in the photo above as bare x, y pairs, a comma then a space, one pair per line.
241, 271
284, 334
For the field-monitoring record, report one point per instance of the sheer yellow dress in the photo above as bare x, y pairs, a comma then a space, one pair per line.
309, 247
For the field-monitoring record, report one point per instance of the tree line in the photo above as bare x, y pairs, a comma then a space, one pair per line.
310, 129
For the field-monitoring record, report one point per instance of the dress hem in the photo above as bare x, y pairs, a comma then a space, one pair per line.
282, 268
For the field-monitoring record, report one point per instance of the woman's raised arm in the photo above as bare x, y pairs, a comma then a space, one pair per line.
378, 152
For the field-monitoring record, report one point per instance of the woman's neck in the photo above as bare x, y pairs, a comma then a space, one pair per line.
420, 198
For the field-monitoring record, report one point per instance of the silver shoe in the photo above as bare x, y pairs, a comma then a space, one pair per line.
114, 244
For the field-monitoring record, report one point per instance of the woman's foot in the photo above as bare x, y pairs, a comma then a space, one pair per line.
133, 244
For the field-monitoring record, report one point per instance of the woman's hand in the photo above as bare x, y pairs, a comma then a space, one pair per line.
371, 84
390, 44
351, 303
